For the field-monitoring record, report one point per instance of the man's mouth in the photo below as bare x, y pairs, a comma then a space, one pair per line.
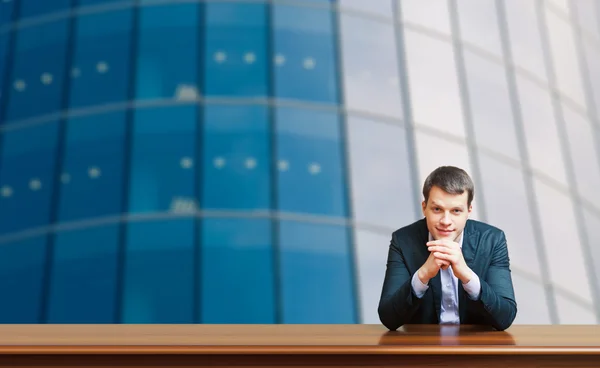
445, 232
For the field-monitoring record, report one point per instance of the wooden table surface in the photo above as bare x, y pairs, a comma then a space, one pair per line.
296, 339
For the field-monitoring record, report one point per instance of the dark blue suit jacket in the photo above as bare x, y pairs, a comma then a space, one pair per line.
485, 252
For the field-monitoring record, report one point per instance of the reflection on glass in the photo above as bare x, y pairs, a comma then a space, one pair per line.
433, 83
541, 134
167, 59
379, 7
584, 155
382, 193
371, 256
531, 300
430, 14
572, 313
564, 57
33, 8
236, 271
236, 49
592, 56
101, 59
22, 265
490, 106
305, 58
84, 276
478, 22
237, 158
562, 241
317, 277
588, 14
524, 35
592, 224
506, 206
370, 66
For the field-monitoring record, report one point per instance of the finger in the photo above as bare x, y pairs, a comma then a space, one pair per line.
444, 256
441, 262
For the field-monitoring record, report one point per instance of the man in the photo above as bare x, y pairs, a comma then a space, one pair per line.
446, 268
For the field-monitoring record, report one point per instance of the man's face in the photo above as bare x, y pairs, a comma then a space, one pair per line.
446, 214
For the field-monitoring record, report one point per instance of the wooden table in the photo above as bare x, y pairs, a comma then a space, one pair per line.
297, 345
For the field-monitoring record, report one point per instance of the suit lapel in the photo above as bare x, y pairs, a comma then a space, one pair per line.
469, 248
420, 254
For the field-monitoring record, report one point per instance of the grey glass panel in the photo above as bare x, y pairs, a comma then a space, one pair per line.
381, 180
370, 66
430, 13
592, 55
541, 134
507, 208
379, 7
571, 313
562, 240
531, 301
588, 12
524, 36
490, 106
592, 224
582, 145
479, 24
433, 83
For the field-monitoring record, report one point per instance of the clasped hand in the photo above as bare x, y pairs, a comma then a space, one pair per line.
444, 253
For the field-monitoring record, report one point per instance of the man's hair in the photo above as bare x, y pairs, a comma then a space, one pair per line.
451, 180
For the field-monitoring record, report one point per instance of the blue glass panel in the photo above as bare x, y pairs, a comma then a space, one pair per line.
305, 65
310, 162
97, 2
6, 15
100, 68
237, 157
316, 274
27, 177
162, 165
30, 8
38, 73
236, 43
167, 53
84, 276
92, 176
237, 271
159, 279
4, 63
21, 269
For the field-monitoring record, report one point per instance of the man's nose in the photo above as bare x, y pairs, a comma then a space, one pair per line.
446, 219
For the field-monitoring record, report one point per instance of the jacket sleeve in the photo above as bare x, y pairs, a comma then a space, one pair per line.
398, 301
496, 302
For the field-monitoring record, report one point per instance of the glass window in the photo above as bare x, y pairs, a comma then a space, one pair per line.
430, 14
38, 70
310, 162
559, 231
162, 158
92, 177
158, 280
237, 63
573, 313
380, 168
524, 35
433, 82
562, 5
370, 65
379, 7
31, 8
503, 191
564, 57
371, 257
478, 21
100, 68
84, 276
433, 152
541, 133
592, 56
167, 59
237, 275
490, 106
588, 14
584, 155
237, 157
592, 224
22, 266
6, 16
27, 177
305, 57
317, 276
531, 301
4, 64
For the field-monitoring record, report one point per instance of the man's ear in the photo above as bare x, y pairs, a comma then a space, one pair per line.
423, 206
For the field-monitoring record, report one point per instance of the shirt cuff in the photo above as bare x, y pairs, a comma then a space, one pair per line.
418, 287
473, 287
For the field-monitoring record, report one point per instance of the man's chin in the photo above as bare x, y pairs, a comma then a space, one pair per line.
450, 235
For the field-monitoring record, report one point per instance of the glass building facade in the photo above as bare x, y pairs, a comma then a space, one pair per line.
247, 161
